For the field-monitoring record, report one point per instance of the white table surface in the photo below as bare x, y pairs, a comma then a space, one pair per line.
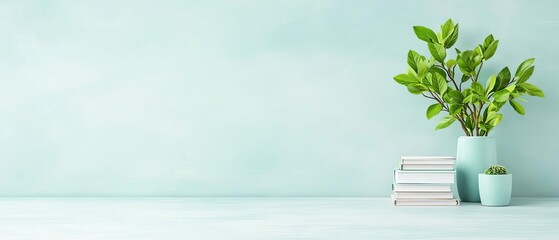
271, 218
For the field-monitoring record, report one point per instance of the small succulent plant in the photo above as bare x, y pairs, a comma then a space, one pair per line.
496, 170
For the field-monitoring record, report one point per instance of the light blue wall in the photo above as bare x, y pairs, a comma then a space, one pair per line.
239, 98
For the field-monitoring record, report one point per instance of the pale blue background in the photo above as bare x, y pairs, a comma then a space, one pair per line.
248, 98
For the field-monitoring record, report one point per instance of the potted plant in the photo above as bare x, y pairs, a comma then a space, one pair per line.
495, 186
455, 87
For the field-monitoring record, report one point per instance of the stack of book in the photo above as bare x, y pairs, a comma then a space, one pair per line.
425, 181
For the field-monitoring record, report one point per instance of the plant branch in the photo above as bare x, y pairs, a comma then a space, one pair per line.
447, 71
475, 119
463, 124
481, 104
470, 108
450, 73
428, 96
479, 70
434, 96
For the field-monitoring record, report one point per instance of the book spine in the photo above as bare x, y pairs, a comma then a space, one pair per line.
425, 203
443, 161
442, 177
421, 187
426, 167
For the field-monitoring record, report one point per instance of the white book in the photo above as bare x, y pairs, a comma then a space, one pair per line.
443, 167
423, 195
427, 157
424, 202
423, 176
427, 160
418, 187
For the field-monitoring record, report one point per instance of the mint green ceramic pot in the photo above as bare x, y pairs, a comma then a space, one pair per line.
473, 156
495, 190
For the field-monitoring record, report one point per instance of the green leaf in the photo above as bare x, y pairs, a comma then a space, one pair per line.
404, 79
441, 84
488, 40
511, 87
523, 66
425, 34
478, 50
422, 68
478, 88
416, 88
517, 93
483, 117
502, 95
496, 106
482, 126
438, 51
503, 78
412, 73
491, 49
468, 61
451, 40
490, 84
439, 71
470, 99
440, 38
531, 89
469, 124
526, 74
494, 118
454, 109
453, 96
427, 80
465, 78
434, 110
413, 58
469, 96
476, 61
445, 122
517, 107
492, 107
450, 63
447, 28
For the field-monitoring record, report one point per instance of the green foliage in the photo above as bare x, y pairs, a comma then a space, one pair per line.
454, 84
496, 170
434, 110
438, 51
425, 34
